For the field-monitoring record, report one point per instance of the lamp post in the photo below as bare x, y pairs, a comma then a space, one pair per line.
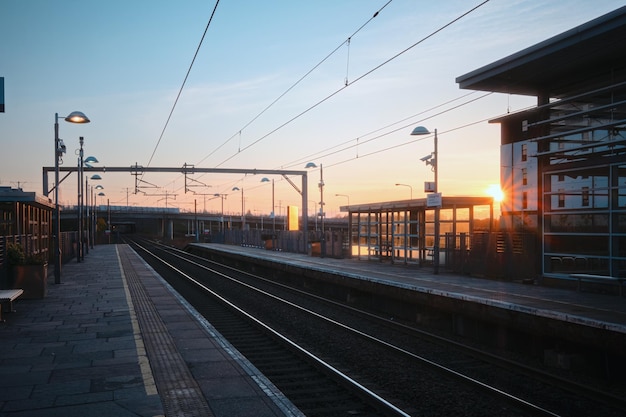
94, 214
406, 185
265, 179
79, 203
433, 161
59, 150
321, 213
222, 216
344, 195
86, 217
243, 213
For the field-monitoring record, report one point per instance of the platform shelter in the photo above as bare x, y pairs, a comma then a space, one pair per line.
404, 231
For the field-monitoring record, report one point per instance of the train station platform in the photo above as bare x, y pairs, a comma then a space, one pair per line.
113, 339
598, 314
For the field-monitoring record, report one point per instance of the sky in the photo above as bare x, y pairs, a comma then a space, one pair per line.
245, 84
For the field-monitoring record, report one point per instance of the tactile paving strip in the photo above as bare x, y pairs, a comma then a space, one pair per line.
179, 391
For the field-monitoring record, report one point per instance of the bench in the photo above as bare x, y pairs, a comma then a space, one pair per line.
8, 296
599, 278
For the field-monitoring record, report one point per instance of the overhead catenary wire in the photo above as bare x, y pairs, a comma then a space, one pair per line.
347, 145
180, 90
241, 149
294, 85
362, 76
360, 139
238, 134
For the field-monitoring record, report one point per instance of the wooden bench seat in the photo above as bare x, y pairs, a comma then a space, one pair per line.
599, 278
7, 297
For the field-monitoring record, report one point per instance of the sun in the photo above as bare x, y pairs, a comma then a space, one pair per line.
494, 191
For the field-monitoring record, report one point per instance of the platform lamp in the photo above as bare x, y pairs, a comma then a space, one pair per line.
222, 196
433, 161
406, 185
59, 150
89, 193
265, 179
83, 209
95, 225
243, 213
321, 213
92, 220
344, 195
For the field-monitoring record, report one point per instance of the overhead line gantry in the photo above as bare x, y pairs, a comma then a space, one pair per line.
189, 170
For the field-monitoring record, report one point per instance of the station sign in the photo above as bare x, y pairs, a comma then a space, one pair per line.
433, 200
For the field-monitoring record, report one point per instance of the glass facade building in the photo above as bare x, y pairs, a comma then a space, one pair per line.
563, 162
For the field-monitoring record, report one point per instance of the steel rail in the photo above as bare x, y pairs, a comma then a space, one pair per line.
472, 381
372, 396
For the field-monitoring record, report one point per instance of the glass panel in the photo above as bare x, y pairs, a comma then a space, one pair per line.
621, 223
586, 188
577, 245
577, 223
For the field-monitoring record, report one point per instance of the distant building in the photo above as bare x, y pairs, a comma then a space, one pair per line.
563, 163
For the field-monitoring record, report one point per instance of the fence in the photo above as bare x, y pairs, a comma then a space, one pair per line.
33, 246
335, 242
500, 255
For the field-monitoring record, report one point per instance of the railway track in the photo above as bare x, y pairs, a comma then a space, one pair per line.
399, 371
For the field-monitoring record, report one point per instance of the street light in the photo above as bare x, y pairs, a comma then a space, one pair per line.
100, 194
82, 162
59, 150
243, 215
222, 217
321, 213
433, 161
91, 204
407, 185
79, 202
344, 195
265, 179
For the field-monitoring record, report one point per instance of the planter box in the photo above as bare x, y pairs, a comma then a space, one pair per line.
32, 279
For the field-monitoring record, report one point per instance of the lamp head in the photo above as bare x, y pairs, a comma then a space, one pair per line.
235, 188
310, 165
96, 177
420, 130
77, 117
91, 159
265, 179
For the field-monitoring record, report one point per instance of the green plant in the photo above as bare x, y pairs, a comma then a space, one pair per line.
17, 256
36, 259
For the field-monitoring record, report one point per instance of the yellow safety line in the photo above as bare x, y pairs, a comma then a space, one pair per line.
144, 362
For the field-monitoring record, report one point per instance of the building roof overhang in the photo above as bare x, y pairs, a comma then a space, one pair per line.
553, 67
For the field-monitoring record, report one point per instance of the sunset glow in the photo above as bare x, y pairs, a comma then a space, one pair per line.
494, 191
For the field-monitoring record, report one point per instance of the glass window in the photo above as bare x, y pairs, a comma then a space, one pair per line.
585, 196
